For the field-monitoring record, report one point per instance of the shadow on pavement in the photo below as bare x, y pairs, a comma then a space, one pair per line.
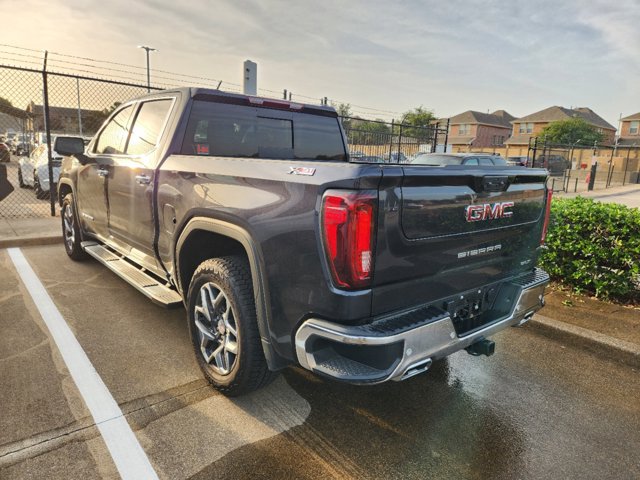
5, 186
425, 427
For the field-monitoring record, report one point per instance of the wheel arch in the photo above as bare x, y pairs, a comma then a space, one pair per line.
65, 187
203, 238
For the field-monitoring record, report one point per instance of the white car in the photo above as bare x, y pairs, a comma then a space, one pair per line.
34, 170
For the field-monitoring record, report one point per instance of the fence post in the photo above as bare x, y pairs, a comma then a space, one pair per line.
626, 165
47, 127
592, 176
399, 140
391, 140
446, 136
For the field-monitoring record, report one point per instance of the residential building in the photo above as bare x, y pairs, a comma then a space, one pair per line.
472, 129
525, 128
64, 119
630, 130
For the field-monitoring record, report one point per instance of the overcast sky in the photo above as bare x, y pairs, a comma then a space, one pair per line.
448, 56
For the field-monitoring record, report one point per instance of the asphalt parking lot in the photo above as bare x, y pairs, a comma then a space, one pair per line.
536, 409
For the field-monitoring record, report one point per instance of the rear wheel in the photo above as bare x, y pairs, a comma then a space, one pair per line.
70, 230
40, 194
223, 326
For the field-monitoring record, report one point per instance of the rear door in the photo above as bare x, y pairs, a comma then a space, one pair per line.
131, 180
449, 229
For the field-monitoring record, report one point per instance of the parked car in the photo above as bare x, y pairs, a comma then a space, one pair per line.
23, 149
293, 253
556, 164
369, 159
466, 159
38, 176
396, 157
5, 152
26, 166
520, 161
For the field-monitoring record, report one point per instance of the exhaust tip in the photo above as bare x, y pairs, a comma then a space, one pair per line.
417, 368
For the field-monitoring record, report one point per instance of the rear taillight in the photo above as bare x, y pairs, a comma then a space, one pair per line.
348, 233
547, 213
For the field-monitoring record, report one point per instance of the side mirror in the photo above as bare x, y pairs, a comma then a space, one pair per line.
69, 146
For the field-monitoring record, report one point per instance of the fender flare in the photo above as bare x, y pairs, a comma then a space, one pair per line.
256, 264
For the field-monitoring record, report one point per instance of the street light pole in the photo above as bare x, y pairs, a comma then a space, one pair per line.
148, 49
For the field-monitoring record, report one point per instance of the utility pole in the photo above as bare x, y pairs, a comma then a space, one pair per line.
148, 49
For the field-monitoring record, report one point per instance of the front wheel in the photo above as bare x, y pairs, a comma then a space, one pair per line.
223, 326
70, 230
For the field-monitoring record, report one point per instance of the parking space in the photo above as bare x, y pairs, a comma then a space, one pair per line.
536, 409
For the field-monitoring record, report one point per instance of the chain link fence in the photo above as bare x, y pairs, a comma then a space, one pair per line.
35, 107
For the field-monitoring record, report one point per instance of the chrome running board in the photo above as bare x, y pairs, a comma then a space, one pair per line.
134, 275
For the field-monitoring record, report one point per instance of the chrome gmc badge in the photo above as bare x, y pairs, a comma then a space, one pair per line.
488, 211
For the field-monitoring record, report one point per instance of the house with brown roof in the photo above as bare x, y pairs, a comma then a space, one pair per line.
525, 128
472, 129
630, 130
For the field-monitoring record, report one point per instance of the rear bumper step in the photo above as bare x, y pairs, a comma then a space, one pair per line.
135, 276
400, 346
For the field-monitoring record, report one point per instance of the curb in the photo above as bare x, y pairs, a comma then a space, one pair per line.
30, 241
598, 343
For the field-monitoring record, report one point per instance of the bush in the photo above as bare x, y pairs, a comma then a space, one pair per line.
594, 247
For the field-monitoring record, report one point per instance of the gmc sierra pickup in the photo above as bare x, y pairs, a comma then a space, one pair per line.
284, 250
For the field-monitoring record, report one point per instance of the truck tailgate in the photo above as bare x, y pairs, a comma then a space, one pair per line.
444, 231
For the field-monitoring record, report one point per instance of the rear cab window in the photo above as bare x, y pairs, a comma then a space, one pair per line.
227, 130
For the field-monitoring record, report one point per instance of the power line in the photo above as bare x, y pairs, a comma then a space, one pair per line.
374, 111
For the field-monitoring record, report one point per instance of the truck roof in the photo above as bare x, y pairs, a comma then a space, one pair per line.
239, 98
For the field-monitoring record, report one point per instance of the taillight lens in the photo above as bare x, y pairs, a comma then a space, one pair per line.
348, 233
547, 213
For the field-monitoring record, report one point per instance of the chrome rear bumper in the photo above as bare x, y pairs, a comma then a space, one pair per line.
382, 350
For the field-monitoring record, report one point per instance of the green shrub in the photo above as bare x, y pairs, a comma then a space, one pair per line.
594, 247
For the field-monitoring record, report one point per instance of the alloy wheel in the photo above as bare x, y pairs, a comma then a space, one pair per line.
217, 329
69, 235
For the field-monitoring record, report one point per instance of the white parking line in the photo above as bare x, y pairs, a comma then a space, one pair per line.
128, 456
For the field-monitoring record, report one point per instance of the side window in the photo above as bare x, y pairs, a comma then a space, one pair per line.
486, 162
147, 126
471, 161
114, 135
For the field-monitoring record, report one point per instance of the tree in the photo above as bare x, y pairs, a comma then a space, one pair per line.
571, 131
343, 110
369, 132
419, 117
95, 119
5, 103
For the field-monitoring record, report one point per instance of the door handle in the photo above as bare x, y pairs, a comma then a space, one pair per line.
143, 179
103, 172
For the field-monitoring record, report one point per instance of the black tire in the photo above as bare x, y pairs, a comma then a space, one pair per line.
40, 194
20, 179
71, 230
246, 370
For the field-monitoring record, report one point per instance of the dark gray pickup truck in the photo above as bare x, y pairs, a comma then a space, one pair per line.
284, 250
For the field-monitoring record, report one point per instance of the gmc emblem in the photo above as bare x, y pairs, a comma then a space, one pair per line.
488, 211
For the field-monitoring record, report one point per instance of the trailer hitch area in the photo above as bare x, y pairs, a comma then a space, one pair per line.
482, 347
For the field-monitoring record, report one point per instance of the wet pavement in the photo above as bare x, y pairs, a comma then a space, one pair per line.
536, 409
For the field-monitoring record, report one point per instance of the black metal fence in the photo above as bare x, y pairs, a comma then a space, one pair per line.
35, 106
390, 142
578, 168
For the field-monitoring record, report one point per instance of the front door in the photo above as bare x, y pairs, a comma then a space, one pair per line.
130, 187
91, 186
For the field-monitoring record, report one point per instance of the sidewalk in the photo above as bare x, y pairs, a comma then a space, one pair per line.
19, 232
606, 329
628, 195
